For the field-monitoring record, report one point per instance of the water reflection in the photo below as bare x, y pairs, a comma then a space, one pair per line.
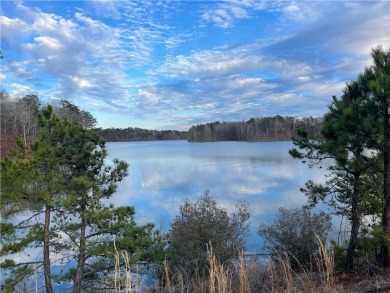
162, 174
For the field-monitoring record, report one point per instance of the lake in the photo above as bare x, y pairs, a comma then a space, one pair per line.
162, 174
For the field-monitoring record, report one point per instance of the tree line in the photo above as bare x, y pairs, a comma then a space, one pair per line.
140, 134
255, 129
19, 118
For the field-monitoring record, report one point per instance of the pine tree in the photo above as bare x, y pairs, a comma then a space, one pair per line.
32, 184
377, 79
356, 136
91, 227
343, 140
60, 182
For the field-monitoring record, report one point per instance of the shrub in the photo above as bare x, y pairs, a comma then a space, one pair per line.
295, 234
202, 225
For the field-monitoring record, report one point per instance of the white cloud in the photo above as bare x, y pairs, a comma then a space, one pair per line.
11, 30
149, 97
315, 39
153, 59
80, 83
20, 90
224, 15
46, 43
79, 52
302, 11
212, 63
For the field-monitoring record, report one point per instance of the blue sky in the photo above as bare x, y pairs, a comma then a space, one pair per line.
173, 64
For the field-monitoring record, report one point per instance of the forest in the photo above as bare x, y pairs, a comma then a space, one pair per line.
18, 119
255, 129
140, 134
56, 185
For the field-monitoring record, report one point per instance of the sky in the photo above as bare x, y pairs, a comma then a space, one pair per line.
174, 64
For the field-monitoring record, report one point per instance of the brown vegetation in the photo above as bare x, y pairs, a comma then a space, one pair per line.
250, 274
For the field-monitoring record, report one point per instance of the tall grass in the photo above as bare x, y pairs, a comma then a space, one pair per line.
244, 275
123, 276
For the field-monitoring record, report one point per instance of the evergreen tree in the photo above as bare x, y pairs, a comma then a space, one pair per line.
60, 182
377, 79
91, 227
355, 135
343, 141
32, 184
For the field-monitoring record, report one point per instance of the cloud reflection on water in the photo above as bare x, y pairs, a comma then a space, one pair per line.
162, 174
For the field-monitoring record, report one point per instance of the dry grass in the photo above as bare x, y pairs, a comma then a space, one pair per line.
253, 275
369, 279
124, 280
250, 274
247, 274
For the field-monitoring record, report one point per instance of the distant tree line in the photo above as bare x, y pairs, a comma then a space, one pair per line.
255, 129
19, 118
139, 134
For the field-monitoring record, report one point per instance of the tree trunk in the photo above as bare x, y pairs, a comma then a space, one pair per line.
355, 224
46, 251
385, 249
81, 257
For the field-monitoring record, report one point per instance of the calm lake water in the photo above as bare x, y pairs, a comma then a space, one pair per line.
162, 174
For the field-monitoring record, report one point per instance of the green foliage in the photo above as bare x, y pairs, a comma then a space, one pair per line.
352, 137
17, 282
371, 238
340, 254
295, 233
203, 225
59, 182
90, 225
31, 185
377, 79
